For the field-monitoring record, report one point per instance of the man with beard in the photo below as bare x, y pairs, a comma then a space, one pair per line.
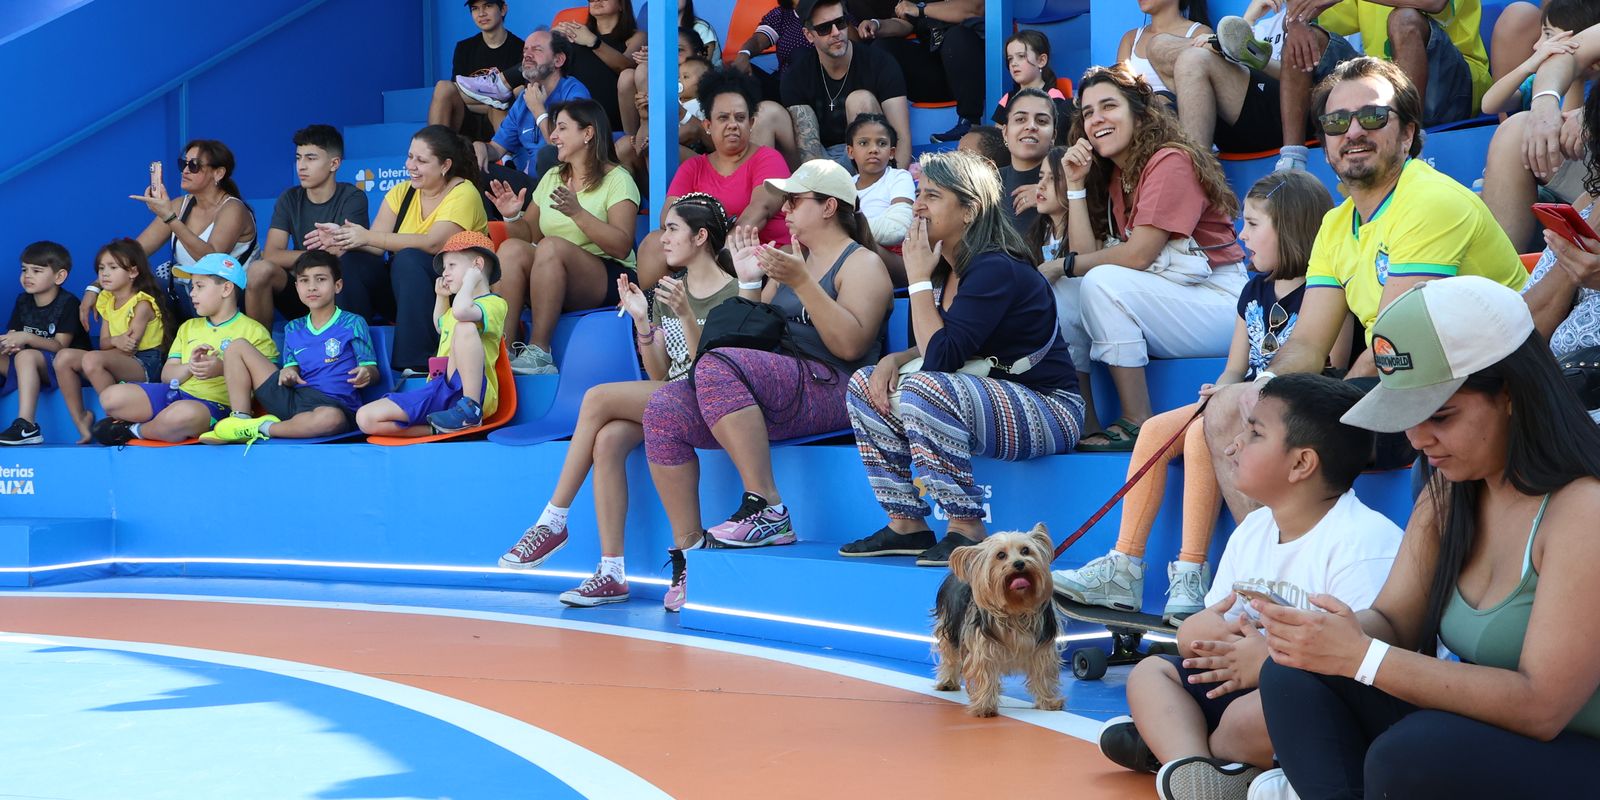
522, 134
827, 87
1403, 223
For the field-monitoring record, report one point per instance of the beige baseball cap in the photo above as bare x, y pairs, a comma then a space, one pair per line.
819, 175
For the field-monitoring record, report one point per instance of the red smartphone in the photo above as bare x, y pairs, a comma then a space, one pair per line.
437, 365
1566, 222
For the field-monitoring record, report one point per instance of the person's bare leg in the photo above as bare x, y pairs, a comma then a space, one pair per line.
69, 377
467, 359
774, 128
126, 402
1164, 51
1515, 35
1212, 88
563, 276
264, 279
1241, 734
1168, 719
1509, 189
243, 369
625, 93
447, 107
743, 434
384, 418
1223, 424
1091, 422
611, 448
652, 261
1133, 392
1294, 92
602, 405
27, 369
321, 421
1408, 40
178, 422
516, 259
679, 489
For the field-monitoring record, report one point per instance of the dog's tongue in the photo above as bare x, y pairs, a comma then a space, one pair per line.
1021, 584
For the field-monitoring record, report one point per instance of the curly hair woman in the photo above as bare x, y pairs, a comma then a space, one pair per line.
1153, 268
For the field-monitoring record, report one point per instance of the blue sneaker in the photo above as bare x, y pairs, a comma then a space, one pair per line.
466, 413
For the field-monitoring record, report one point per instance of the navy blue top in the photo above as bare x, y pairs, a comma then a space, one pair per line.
1003, 308
1255, 308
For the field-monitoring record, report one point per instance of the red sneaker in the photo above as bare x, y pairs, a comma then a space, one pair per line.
597, 591
537, 544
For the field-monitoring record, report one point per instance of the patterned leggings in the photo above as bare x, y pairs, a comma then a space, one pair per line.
946, 419
797, 397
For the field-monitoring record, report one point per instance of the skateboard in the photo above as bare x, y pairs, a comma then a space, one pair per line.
1127, 629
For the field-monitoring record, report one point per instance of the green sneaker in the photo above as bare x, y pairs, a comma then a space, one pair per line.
1237, 41
238, 430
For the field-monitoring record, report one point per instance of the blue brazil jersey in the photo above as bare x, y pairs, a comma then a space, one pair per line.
325, 357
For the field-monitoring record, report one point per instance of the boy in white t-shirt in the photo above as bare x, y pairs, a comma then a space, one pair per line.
1199, 716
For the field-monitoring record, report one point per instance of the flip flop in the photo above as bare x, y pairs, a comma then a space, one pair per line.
1119, 435
1236, 39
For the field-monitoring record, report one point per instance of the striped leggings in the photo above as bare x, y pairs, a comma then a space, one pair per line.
797, 397
946, 419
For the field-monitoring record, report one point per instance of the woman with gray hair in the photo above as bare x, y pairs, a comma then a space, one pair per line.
988, 374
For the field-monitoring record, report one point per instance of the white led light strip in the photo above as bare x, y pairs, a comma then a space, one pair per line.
295, 562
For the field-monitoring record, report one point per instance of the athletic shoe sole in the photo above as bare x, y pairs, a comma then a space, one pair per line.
781, 538
484, 99
876, 553
510, 564
579, 601
1201, 778
37, 438
1084, 600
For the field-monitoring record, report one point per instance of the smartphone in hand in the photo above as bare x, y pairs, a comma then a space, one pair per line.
1566, 222
155, 174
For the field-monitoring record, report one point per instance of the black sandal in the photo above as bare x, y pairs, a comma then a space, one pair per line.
886, 542
1119, 438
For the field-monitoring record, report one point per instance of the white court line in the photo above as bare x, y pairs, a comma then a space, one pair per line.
1063, 722
585, 771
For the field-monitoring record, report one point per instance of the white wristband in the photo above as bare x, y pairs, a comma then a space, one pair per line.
1264, 375
744, 52
919, 286
1077, 194
749, 285
540, 119
91, 289
1549, 92
1368, 671
520, 214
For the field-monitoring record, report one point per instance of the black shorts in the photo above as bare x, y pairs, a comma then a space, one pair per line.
1260, 123
285, 402
615, 269
1212, 708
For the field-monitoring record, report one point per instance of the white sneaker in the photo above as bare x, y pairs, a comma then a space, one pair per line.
531, 359
1186, 590
1272, 785
1113, 580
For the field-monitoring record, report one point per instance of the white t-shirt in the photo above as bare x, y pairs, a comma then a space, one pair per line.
1346, 554
876, 199
1270, 29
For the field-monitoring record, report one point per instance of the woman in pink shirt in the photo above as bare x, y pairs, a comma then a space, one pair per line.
733, 172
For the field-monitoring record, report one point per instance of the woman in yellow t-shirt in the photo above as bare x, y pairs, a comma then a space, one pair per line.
133, 332
443, 201
575, 239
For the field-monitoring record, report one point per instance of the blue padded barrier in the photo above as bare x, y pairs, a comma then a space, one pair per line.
407, 105
35, 542
1034, 12
598, 348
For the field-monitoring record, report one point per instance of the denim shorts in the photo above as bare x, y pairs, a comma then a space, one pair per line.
152, 360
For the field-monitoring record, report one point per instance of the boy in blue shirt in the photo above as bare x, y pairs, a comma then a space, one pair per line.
327, 360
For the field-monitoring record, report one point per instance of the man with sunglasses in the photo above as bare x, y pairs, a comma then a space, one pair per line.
1435, 42
829, 85
1403, 223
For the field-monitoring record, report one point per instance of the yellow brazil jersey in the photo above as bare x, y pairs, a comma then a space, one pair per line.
1460, 20
1429, 225
201, 331
490, 329
119, 319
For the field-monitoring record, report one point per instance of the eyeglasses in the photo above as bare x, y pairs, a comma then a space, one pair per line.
1276, 319
191, 165
829, 26
1335, 123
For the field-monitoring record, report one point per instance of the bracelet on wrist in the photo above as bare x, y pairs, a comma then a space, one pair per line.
91, 289
919, 286
1077, 194
1368, 671
169, 219
749, 286
746, 53
519, 215
1069, 263
1546, 93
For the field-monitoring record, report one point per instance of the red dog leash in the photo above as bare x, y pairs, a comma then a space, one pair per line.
1127, 487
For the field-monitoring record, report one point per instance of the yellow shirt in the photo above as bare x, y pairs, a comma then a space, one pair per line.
118, 320
1460, 20
460, 205
1428, 226
199, 331
490, 329
614, 188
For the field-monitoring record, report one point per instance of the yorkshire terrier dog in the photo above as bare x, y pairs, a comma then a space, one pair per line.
993, 617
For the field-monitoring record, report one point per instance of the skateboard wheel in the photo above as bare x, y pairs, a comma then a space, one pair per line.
1088, 663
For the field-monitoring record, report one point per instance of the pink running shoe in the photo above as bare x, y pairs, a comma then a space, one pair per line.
597, 591
678, 592
487, 86
537, 544
755, 524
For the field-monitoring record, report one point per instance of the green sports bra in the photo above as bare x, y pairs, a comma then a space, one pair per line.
1493, 636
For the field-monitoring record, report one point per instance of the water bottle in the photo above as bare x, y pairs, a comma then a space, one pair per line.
172, 390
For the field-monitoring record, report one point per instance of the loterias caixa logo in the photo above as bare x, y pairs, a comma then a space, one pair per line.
16, 480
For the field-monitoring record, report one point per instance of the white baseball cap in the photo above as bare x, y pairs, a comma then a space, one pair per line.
1430, 340
821, 176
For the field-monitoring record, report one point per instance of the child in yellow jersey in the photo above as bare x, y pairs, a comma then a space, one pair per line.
467, 391
132, 330
194, 395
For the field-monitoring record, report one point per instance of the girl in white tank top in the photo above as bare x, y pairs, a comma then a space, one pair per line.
1166, 16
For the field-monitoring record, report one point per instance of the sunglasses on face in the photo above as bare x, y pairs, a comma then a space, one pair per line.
191, 165
1276, 319
1335, 123
793, 200
829, 26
